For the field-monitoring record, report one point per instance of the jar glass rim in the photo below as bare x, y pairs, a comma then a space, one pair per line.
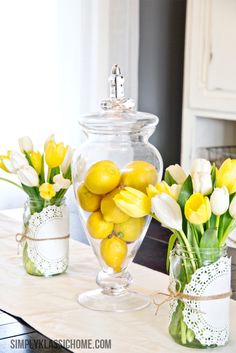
183, 251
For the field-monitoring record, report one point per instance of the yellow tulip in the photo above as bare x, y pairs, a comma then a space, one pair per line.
197, 209
36, 160
55, 153
163, 187
133, 202
47, 191
5, 161
226, 175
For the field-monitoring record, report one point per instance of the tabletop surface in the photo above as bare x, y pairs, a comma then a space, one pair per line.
49, 305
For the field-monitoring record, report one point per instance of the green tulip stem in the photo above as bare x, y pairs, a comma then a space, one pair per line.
49, 175
201, 228
186, 243
11, 182
217, 222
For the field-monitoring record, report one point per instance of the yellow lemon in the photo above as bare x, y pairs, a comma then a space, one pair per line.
130, 230
102, 177
88, 201
114, 251
97, 227
110, 211
139, 174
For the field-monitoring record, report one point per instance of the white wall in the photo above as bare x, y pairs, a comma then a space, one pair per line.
55, 57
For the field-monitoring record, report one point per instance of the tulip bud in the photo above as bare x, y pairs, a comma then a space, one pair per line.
201, 165
67, 160
60, 183
177, 173
50, 138
226, 175
167, 211
47, 191
219, 201
133, 202
18, 161
36, 160
25, 144
197, 209
28, 176
202, 183
55, 153
232, 208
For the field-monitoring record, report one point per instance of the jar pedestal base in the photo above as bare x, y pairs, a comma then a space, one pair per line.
122, 302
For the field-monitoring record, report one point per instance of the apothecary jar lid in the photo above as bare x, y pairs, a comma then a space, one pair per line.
118, 114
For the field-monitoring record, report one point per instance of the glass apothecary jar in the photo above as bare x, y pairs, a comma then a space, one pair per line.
111, 171
45, 238
199, 315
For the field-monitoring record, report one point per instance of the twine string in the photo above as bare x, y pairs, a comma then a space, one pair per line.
171, 295
22, 237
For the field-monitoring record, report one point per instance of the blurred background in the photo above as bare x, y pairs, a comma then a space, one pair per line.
178, 58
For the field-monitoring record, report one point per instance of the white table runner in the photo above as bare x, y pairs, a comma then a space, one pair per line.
49, 304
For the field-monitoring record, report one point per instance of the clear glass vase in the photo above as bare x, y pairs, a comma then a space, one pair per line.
45, 238
115, 154
202, 323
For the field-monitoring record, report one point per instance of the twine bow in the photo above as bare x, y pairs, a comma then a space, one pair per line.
174, 294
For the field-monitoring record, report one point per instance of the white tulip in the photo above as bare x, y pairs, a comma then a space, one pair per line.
219, 201
26, 144
60, 182
167, 211
232, 208
202, 183
18, 161
177, 173
67, 160
201, 165
28, 176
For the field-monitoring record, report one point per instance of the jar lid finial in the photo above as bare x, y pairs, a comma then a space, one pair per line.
117, 100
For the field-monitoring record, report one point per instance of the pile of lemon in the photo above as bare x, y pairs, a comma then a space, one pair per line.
107, 222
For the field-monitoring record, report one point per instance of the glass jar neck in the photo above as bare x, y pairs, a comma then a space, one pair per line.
211, 254
119, 137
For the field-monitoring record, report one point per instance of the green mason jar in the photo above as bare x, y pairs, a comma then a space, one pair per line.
199, 310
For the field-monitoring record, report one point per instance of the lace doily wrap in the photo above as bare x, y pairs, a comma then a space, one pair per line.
209, 320
49, 256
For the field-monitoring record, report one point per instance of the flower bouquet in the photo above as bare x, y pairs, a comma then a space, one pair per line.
200, 210
45, 178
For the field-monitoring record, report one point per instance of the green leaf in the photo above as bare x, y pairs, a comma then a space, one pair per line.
225, 220
169, 179
209, 239
54, 171
213, 175
212, 221
170, 247
27, 156
185, 193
